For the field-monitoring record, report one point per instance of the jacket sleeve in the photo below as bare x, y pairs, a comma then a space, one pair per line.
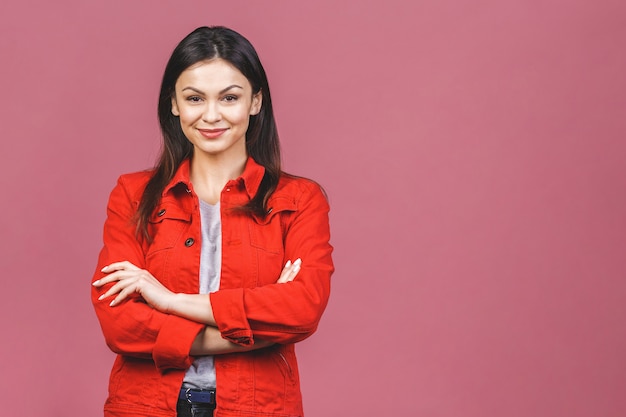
133, 328
285, 313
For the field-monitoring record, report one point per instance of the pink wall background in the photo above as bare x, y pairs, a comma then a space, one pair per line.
474, 154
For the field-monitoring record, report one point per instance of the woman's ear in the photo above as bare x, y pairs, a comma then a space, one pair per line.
175, 111
257, 101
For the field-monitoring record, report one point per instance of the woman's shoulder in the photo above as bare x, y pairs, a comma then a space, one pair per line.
297, 188
134, 183
137, 176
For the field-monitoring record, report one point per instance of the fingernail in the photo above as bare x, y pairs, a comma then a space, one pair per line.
105, 268
298, 261
101, 297
112, 303
288, 264
96, 282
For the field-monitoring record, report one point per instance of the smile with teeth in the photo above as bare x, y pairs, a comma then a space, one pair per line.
212, 133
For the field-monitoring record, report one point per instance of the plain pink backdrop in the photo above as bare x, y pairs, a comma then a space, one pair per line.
473, 151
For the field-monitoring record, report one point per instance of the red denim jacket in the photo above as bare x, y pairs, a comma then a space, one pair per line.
153, 347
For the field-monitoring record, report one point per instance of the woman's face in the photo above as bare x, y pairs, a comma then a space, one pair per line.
214, 101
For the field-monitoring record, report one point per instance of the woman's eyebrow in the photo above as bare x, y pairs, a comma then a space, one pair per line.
221, 92
195, 90
229, 87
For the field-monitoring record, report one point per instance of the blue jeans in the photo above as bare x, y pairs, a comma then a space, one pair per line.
186, 409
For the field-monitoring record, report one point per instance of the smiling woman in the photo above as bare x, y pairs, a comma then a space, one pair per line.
195, 287
214, 101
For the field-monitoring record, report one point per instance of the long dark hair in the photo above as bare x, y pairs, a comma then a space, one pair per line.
262, 143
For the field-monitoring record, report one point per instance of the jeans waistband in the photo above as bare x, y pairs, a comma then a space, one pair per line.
199, 396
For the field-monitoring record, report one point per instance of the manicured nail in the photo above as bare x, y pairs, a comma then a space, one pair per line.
296, 268
298, 262
101, 297
112, 303
96, 282
288, 264
104, 269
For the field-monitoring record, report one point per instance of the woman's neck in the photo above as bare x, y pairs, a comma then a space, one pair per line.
209, 175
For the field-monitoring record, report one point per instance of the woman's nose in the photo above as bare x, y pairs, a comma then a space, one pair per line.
211, 113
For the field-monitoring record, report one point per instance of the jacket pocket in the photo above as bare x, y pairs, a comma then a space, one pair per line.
167, 224
268, 232
268, 237
276, 388
288, 370
267, 240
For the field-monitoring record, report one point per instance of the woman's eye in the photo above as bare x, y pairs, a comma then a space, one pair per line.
230, 98
194, 99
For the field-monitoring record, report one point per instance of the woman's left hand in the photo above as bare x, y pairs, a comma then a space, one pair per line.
133, 280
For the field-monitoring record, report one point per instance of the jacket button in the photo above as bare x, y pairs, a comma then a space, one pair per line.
189, 242
161, 212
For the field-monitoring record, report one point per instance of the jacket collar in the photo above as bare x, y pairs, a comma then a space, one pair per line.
251, 177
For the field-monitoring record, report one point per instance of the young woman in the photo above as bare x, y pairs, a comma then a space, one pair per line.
215, 262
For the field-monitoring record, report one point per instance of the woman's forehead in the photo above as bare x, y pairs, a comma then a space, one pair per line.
214, 73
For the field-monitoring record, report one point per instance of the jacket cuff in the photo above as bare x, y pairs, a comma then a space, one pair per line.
171, 349
230, 316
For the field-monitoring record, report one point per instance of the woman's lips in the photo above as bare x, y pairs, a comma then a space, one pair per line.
212, 133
